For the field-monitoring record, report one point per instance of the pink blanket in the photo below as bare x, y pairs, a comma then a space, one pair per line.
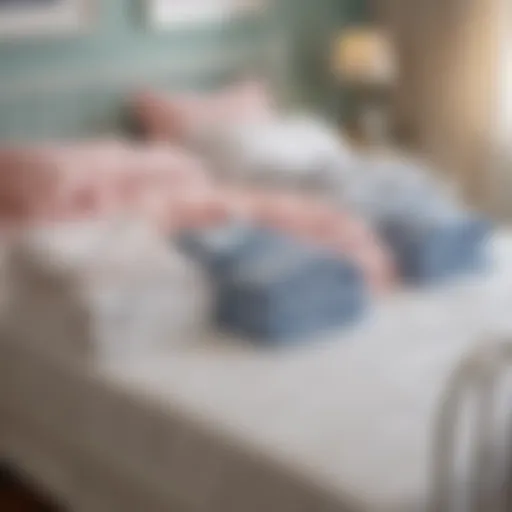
170, 188
294, 215
179, 117
48, 182
338, 231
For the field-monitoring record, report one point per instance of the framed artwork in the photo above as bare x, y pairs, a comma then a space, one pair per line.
169, 13
26, 18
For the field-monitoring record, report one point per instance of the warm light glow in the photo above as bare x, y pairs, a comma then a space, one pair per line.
364, 54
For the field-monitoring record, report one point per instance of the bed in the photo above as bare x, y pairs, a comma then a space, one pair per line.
344, 423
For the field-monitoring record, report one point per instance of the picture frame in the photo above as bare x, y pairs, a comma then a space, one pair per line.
165, 14
33, 18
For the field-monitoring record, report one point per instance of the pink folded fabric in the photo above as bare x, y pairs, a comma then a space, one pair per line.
55, 182
177, 118
296, 216
169, 188
329, 227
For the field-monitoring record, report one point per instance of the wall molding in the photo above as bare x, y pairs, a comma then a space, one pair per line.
124, 75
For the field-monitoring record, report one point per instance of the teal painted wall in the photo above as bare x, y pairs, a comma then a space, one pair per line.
57, 87
118, 36
316, 23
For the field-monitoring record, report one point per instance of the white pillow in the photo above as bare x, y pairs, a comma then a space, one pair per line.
296, 151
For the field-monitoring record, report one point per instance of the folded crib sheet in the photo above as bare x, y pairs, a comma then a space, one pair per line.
42, 182
272, 288
432, 247
313, 222
104, 289
387, 186
219, 248
431, 234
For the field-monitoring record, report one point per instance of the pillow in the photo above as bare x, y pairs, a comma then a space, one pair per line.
295, 150
179, 118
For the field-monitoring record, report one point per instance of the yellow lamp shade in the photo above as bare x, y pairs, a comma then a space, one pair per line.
364, 55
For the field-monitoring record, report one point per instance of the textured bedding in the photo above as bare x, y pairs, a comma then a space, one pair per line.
275, 289
99, 289
246, 139
430, 232
52, 181
307, 221
345, 424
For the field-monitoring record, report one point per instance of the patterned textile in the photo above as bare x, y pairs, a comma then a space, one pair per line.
181, 118
431, 235
171, 189
390, 187
103, 289
431, 248
318, 223
274, 289
58, 182
305, 219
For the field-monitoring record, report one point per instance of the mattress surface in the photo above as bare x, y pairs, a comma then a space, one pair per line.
354, 412
341, 423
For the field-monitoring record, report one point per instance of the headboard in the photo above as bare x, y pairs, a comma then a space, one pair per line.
77, 87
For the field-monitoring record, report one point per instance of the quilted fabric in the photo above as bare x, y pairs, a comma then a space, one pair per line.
432, 248
431, 235
305, 219
61, 182
272, 288
104, 289
339, 231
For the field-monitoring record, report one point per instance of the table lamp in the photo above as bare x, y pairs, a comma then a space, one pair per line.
364, 64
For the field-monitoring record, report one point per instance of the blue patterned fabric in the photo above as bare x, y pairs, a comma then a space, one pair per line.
430, 249
274, 289
218, 249
431, 236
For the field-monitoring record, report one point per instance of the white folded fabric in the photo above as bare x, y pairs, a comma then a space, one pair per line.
103, 289
298, 151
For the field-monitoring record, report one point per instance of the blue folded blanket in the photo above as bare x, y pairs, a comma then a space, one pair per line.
431, 236
274, 289
430, 247
218, 249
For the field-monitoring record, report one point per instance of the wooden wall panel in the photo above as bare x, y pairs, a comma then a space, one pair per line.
449, 50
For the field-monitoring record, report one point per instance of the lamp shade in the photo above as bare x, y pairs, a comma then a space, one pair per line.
364, 55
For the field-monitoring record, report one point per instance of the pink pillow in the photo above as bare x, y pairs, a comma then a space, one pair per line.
177, 118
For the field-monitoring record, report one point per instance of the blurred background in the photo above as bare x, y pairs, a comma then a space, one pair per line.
435, 75
428, 77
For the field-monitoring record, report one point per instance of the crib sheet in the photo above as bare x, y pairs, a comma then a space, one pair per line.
344, 424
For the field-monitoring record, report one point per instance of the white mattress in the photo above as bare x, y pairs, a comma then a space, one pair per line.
339, 424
